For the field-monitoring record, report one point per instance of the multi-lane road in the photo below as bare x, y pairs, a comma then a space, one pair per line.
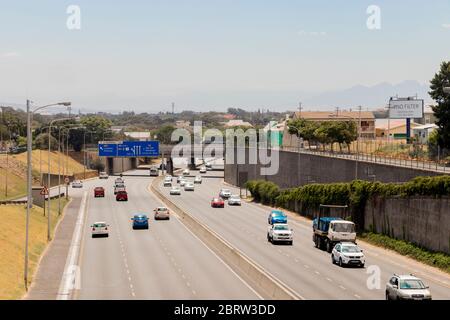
305, 269
165, 262
169, 262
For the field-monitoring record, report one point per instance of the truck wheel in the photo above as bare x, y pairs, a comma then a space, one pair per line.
329, 247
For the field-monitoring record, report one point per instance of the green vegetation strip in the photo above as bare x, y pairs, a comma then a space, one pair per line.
435, 259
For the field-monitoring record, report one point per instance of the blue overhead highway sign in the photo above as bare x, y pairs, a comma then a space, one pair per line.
129, 149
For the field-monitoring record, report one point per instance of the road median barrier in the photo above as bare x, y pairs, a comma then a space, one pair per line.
265, 283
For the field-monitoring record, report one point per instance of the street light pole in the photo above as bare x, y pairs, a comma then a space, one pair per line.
29, 181
29, 199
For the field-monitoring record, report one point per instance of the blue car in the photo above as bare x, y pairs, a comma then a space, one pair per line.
140, 221
277, 216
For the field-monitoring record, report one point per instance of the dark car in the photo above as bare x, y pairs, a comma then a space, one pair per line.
140, 221
99, 192
217, 203
122, 196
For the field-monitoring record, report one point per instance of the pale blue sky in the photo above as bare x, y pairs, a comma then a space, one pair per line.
210, 54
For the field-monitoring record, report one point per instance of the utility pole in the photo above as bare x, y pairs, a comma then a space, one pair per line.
357, 143
173, 108
29, 193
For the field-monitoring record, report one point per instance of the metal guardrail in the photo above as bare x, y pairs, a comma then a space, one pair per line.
374, 158
17, 202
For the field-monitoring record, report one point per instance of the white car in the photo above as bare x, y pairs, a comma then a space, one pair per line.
202, 169
407, 287
175, 191
103, 175
77, 184
225, 193
198, 179
280, 232
167, 183
119, 180
234, 200
183, 183
348, 253
100, 229
208, 166
186, 172
162, 213
179, 178
189, 186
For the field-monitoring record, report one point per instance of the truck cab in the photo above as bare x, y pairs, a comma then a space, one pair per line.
327, 231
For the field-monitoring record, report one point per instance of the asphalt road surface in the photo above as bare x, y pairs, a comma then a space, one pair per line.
165, 262
302, 267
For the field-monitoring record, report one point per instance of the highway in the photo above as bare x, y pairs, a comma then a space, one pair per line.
165, 262
305, 269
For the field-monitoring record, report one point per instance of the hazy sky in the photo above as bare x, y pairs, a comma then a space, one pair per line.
208, 54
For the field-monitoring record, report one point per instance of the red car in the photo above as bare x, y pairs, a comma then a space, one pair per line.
99, 192
217, 203
122, 196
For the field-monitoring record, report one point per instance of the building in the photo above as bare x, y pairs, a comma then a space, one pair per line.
396, 129
237, 123
141, 136
275, 131
422, 133
428, 116
366, 118
182, 124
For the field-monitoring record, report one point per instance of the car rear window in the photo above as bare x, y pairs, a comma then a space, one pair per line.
99, 225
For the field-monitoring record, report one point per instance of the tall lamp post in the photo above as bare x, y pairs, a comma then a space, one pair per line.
49, 172
29, 177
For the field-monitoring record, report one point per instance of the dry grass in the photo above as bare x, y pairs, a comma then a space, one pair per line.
16, 185
12, 244
42, 155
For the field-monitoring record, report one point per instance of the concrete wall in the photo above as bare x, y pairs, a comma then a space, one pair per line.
298, 169
422, 220
119, 165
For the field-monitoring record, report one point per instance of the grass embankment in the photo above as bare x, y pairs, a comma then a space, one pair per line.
16, 185
435, 259
16, 167
39, 156
12, 244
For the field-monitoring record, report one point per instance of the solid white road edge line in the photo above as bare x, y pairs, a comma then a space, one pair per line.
209, 249
71, 275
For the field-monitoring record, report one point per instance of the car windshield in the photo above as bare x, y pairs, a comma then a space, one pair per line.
225, 191
281, 228
344, 227
351, 249
411, 284
278, 214
140, 218
161, 209
99, 225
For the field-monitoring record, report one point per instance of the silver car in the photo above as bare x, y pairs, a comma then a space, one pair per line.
175, 191
234, 200
100, 229
198, 179
189, 186
162, 213
407, 287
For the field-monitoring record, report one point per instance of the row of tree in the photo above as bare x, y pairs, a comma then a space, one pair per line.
325, 132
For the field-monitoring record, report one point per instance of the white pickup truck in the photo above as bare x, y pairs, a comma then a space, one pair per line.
280, 232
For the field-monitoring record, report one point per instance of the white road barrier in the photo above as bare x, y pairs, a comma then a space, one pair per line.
71, 278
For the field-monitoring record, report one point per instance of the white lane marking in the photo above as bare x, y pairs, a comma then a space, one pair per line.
306, 266
329, 280
357, 296
223, 262
342, 287
70, 269
219, 258
317, 272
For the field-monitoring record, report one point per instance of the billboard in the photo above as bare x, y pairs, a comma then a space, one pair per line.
129, 149
405, 108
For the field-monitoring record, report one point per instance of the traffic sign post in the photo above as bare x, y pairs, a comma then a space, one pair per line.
67, 181
44, 192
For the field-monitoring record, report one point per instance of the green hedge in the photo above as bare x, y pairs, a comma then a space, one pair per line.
435, 259
355, 194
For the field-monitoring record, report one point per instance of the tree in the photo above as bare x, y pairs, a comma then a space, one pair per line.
41, 142
98, 165
304, 129
164, 134
442, 109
